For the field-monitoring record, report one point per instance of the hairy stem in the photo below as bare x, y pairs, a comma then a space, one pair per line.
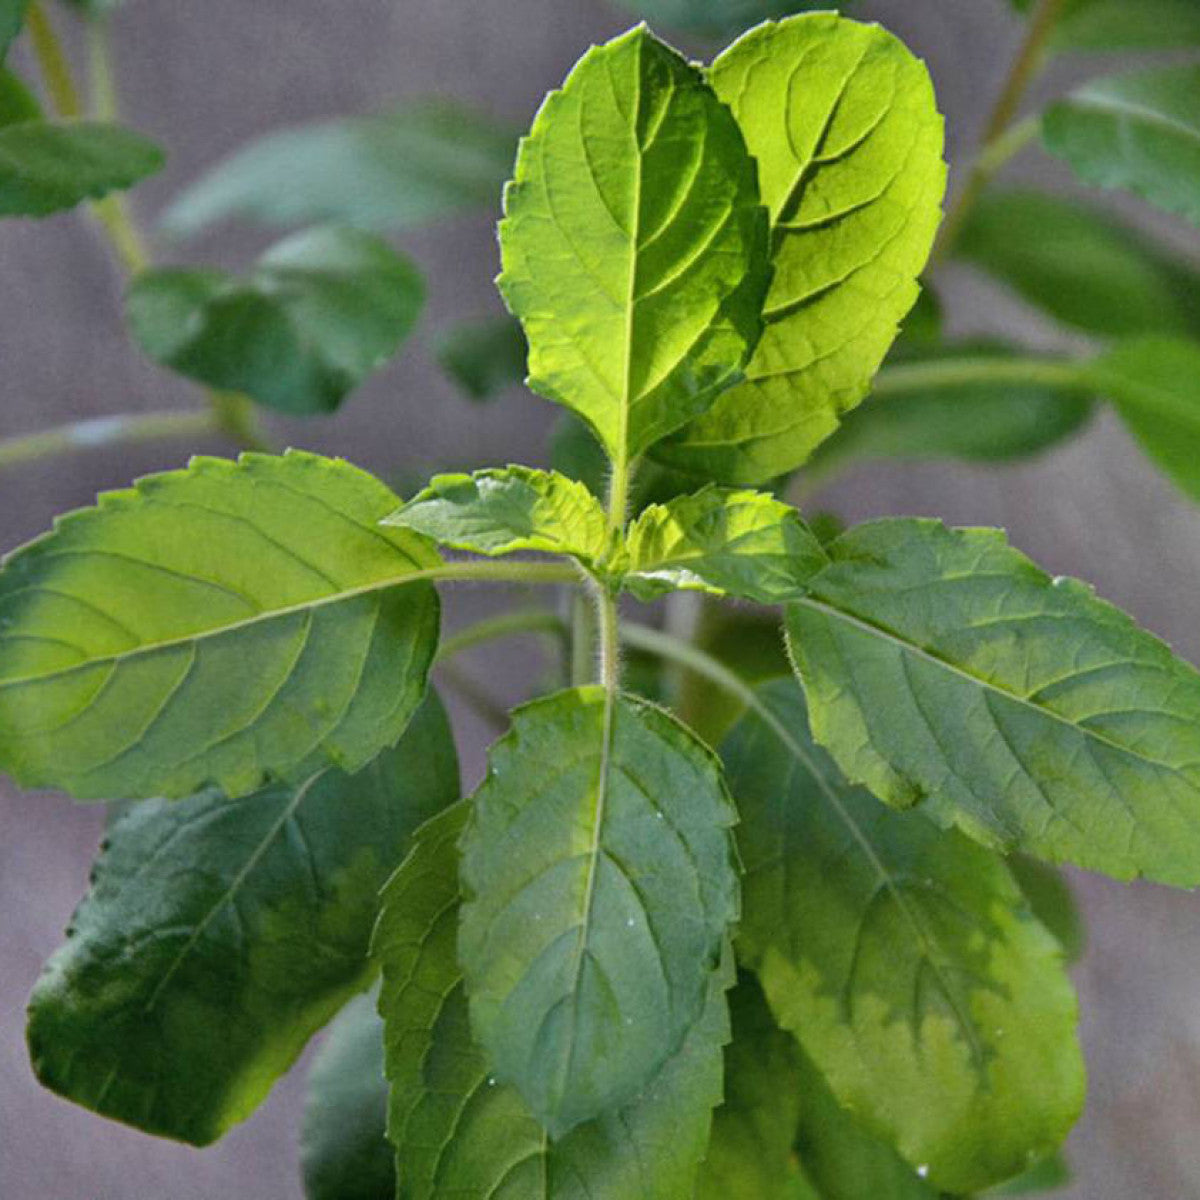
996, 146
128, 429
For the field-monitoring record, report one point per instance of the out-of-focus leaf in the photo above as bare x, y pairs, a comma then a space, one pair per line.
1124, 24
17, 102
1048, 1176
319, 313
46, 167
485, 357
1139, 132
12, 17
384, 172
721, 18
1052, 901
1081, 266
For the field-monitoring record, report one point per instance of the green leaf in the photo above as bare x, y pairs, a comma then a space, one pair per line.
344, 1154
843, 123
459, 1132
47, 167
17, 102
1119, 25
504, 510
1048, 1176
634, 247
221, 624
318, 313
1080, 266
385, 172
721, 18
974, 421
751, 1155
1139, 132
1154, 383
1050, 898
587, 955
220, 935
903, 959
485, 357
944, 670
12, 17
745, 544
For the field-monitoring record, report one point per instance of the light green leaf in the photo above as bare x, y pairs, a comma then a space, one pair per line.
1120, 25
587, 955
721, 18
745, 544
12, 17
843, 122
318, 313
385, 172
504, 510
220, 934
1154, 383
1139, 132
976, 421
944, 670
221, 624
344, 1154
484, 357
1047, 1176
751, 1154
903, 959
47, 167
1080, 266
17, 102
633, 244
462, 1134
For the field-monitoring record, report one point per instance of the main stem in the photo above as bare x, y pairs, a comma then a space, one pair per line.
996, 146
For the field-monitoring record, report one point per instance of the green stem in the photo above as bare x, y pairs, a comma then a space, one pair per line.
997, 146
507, 570
610, 643
52, 61
128, 429
908, 378
103, 85
507, 625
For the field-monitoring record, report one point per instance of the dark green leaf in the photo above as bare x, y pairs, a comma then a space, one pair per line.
1139, 132
221, 624
634, 247
220, 934
1154, 383
903, 959
460, 1133
721, 18
385, 172
486, 357
751, 1154
977, 422
1121, 25
17, 102
319, 313
1052, 901
344, 1153
724, 542
843, 123
944, 670
505, 510
1081, 266
48, 167
587, 954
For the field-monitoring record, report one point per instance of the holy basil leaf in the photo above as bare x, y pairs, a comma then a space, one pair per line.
1119, 25
344, 1154
460, 1133
380, 172
721, 18
751, 1155
1051, 900
46, 167
1139, 132
1081, 266
17, 102
945, 671
221, 624
745, 544
12, 17
220, 934
504, 510
319, 313
903, 959
587, 955
1154, 383
975, 421
634, 248
843, 123
485, 357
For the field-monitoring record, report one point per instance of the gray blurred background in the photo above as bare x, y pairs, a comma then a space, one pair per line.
202, 79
